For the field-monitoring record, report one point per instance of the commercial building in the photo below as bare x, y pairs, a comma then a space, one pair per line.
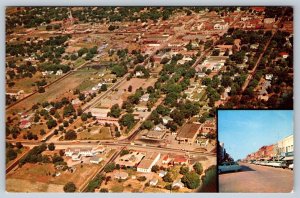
285, 148
148, 162
188, 133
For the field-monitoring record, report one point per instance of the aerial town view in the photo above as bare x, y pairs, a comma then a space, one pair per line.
124, 99
261, 156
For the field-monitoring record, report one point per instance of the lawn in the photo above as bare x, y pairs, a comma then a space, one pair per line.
78, 62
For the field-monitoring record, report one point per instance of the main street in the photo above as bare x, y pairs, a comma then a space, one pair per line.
256, 178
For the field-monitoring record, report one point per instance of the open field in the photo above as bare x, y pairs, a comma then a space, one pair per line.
38, 178
96, 133
56, 91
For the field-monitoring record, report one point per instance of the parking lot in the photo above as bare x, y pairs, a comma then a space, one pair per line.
257, 178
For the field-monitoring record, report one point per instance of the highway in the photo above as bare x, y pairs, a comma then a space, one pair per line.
256, 178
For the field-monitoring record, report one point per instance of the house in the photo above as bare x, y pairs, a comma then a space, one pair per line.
284, 54
153, 182
166, 119
188, 133
148, 162
139, 74
180, 160
162, 173
269, 76
121, 175
145, 98
25, 124
166, 159
208, 127
177, 183
221, 26
96, 160
59, 72
159, 127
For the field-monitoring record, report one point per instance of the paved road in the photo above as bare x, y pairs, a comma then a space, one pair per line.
256, 178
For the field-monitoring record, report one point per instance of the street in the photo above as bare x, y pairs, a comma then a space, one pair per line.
256, 178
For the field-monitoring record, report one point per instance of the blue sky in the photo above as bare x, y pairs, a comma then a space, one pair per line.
245, 131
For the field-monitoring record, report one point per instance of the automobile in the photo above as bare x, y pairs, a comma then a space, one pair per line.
277, 164
291, 166
228, 167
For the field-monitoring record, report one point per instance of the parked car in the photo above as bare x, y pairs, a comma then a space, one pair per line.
277, 164
291, 166
228, 167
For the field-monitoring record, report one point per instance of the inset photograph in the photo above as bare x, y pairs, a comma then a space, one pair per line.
255, 151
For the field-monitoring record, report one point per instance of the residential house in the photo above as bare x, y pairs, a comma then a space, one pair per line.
177, 183
166, 159
121, 175
162, 173
24, 124
166, 119
180, 160
153, 182
145, 97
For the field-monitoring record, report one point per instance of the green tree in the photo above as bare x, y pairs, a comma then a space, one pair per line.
127, 120
115, 111
184, 170
109, 167
168, 178
69, 187
70, 135
198, 168
191, 180
51, 147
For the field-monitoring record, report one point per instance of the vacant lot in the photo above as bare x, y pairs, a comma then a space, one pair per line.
39, 178
96, 133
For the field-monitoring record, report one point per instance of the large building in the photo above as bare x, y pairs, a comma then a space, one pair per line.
285, 148
148, 162
188, 133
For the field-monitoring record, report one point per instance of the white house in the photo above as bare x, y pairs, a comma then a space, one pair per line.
162, 173
159, 127
145, 98
59, 72
153, 182
166, 119
177, 183
269, 76
121, 175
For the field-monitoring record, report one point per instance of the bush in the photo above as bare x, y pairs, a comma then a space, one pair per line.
141, 178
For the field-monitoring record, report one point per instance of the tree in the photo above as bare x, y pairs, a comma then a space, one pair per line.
155, 168
198, 168
51, 147
41, 89
127, 120
124, 152
104, 190
168, 178
103, 87
129, 88
11, 154
19, 145
69, 110
184, 170
115, 111
70, 135
51, 123
148, 124
109, 167
84, 117
70, 187
191, 180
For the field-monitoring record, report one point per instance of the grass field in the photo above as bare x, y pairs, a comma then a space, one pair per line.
38, 178
102, 134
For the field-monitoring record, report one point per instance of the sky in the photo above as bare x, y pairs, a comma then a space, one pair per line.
245, 131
